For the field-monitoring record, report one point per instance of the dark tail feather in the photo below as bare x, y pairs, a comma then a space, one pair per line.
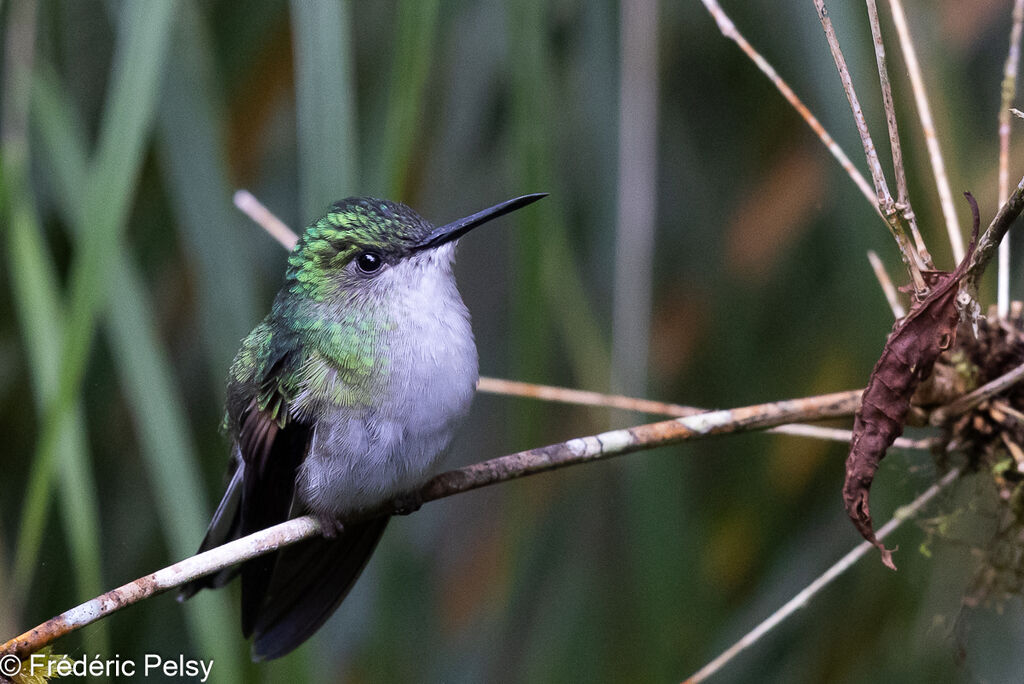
224, 527
309, 582
291, 592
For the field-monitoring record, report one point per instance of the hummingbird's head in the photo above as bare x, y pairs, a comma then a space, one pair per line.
365, 244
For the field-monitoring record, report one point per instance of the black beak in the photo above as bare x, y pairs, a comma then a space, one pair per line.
456, 229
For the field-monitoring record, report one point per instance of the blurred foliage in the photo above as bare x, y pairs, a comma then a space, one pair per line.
128, 280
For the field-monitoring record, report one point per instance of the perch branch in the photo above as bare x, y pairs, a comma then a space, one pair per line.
804, 596
1009, 90
503, 469
160, 581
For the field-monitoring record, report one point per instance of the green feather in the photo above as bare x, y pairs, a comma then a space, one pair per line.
299, 350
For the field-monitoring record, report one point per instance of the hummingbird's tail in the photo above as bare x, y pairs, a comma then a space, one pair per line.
307, 582
310, 581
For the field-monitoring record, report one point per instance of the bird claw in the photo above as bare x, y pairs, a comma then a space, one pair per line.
330, 527
408, 503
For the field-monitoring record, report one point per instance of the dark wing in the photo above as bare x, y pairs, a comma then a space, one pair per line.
271, 455
269, 446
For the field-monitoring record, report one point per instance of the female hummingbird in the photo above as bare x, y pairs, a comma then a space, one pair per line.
343, 398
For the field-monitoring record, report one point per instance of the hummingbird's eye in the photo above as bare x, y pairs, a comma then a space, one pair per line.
368, 262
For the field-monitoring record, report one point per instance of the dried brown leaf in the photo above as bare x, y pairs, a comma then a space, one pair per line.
910, 352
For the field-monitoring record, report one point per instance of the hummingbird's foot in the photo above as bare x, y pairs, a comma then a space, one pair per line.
408, 503
330, 527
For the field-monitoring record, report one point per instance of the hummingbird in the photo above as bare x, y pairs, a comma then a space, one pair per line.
344, 397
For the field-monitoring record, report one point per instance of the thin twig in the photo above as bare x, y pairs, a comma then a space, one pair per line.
729, 30
903, 206
956, 239
886, 204
882, 195
888, 288
1009, 90
254, 209
961, 405
510, 467
1005, 408
841, 435
577, 397
804, 596
987, 243
912, 258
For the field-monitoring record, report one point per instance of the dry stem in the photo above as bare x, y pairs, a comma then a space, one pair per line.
577, 397
254, 209
887, 287
987, 243
961, 405
1009, 89
881, 200
729, 30
884, 199
903, 208
924, 111
512, 466
882, 196
807, 593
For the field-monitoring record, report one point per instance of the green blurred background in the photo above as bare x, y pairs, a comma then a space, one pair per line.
128, 280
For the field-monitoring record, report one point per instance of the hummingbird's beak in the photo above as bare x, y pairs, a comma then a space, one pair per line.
456, 229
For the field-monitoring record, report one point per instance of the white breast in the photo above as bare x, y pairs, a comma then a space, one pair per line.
359, 458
